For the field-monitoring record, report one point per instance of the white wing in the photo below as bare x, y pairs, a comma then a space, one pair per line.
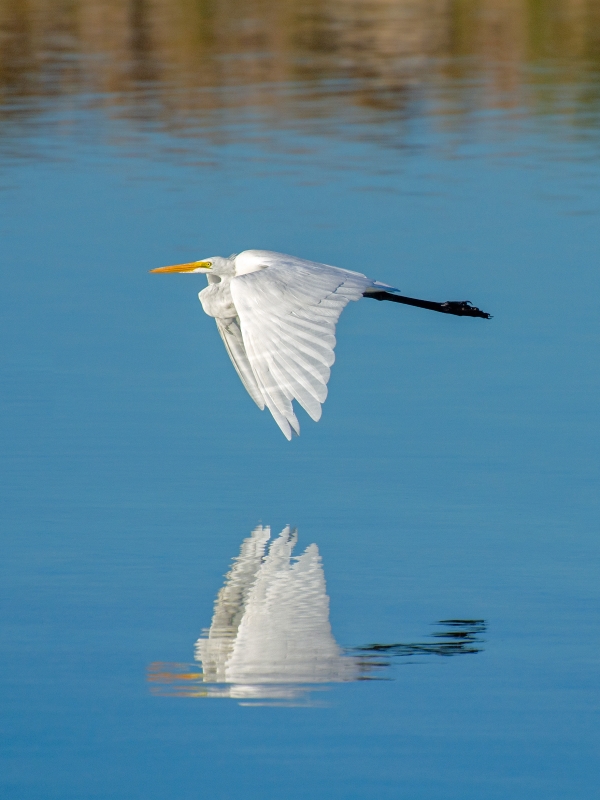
288, 313
234, 344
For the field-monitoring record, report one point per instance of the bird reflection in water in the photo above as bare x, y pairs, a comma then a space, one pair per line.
270, 638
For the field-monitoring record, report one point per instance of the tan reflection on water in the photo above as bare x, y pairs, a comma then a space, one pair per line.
172, 60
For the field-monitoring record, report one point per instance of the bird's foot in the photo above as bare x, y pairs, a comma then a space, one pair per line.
463, 308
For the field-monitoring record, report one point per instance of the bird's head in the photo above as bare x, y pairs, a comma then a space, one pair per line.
215, 265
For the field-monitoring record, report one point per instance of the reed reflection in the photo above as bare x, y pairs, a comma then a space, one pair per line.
177, 61
270, 635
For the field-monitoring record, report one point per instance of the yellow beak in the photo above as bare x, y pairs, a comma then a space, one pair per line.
184, 267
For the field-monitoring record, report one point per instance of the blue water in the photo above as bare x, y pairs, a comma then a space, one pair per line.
453, 475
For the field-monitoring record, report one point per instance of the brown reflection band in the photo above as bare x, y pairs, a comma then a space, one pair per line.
173, 60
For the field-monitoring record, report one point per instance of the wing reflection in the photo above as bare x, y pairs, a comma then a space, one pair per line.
270, 635
271, 619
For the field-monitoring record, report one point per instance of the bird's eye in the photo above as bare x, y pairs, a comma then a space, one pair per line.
209, 263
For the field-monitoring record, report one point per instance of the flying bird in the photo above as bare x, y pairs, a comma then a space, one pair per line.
277, 315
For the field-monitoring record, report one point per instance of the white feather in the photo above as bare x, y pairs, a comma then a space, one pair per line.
288, 309
277, 315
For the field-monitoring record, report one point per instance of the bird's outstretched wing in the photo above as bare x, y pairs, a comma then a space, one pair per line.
234, 344
288, 313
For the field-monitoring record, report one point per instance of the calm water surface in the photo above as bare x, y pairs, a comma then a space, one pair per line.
448, 148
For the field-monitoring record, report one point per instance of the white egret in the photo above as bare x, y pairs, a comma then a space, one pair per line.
277, 315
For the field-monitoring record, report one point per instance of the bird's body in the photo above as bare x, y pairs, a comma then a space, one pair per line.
277, 315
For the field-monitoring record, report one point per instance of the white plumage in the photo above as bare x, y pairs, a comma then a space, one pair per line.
287, 313
277, 315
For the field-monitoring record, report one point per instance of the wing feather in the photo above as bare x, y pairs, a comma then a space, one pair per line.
303, 348
287, 316
234, 344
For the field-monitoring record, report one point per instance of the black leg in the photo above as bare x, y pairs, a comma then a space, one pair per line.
460, 308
